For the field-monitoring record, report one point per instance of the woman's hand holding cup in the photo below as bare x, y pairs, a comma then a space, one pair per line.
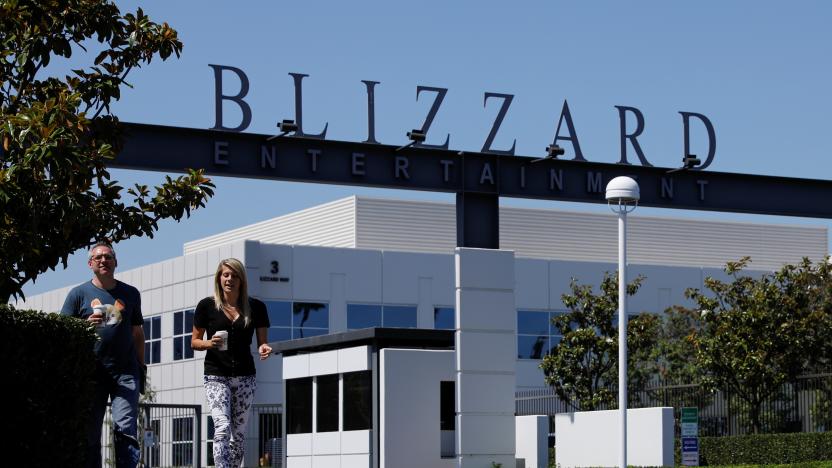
220, 340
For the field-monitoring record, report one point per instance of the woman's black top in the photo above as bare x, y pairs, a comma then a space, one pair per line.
237, 360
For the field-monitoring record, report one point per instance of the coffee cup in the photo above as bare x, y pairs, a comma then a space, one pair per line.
224, 335
101, 311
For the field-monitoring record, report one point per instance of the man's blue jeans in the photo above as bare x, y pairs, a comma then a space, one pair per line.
123, 390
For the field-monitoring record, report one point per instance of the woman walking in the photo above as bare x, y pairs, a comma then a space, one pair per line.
230, 318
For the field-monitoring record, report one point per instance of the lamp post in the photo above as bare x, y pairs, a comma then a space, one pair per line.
622, 196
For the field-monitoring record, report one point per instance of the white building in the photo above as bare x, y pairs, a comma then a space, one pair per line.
361, 262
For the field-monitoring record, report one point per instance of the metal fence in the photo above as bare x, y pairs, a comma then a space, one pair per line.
801, 406
264, 437
169, 436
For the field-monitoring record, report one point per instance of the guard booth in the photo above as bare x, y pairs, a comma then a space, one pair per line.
375, 397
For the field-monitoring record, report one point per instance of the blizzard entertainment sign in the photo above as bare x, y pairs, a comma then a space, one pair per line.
625, 113
478, 179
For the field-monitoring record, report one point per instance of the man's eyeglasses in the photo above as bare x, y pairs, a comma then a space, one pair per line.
103, 257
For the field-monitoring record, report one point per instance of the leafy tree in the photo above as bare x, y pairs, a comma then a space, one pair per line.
583, 367
673, 371
57, 134
760, 333
675, 361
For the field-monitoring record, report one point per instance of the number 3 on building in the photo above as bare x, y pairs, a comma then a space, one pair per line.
275, 267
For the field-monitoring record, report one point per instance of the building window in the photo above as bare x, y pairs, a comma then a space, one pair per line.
363, 316
299, 406
298, 320
152, 340
183, 441
368, 316
447, 418
280, 318
309, 319
399, 316
326, 400
183, 324
358, 401
536, 334
444, 318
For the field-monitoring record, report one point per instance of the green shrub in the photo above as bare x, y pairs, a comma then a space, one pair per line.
47, 362
766, 448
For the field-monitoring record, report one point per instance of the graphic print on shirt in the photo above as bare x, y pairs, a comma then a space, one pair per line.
112, 312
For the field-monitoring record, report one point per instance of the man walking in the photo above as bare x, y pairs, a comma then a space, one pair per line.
115, 310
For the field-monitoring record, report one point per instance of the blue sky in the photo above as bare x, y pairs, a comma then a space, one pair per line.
759, 70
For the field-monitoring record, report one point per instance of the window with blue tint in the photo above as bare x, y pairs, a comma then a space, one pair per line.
279, 334
444, 318
532, 347
309, 319
399, 316
296, 320
363, 316
536, 334
280, 313
183, 322
152, 340
280, 320
532, 322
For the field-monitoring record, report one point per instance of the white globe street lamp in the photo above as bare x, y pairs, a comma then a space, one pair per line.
622, 197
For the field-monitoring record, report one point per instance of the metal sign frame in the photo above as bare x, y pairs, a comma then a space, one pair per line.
478, 179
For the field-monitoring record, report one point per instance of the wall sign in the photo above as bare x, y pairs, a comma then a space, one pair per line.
273, 276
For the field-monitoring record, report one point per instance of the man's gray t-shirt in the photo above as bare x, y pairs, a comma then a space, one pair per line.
115, 349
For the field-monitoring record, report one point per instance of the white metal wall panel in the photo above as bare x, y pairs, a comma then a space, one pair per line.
416, 226
593, 237
410, 226
331, 225
549, 234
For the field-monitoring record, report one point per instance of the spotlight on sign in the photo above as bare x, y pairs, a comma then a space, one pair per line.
416, 136
286, 127
688, 162
552, 152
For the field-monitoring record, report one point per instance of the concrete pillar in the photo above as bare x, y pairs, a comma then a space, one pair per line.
485, 357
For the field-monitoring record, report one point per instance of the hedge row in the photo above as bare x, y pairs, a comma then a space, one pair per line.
47, 363
766, 448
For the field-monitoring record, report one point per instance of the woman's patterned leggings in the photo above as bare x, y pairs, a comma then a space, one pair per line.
230, 400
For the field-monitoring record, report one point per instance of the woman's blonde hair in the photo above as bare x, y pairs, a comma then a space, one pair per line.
219, 298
